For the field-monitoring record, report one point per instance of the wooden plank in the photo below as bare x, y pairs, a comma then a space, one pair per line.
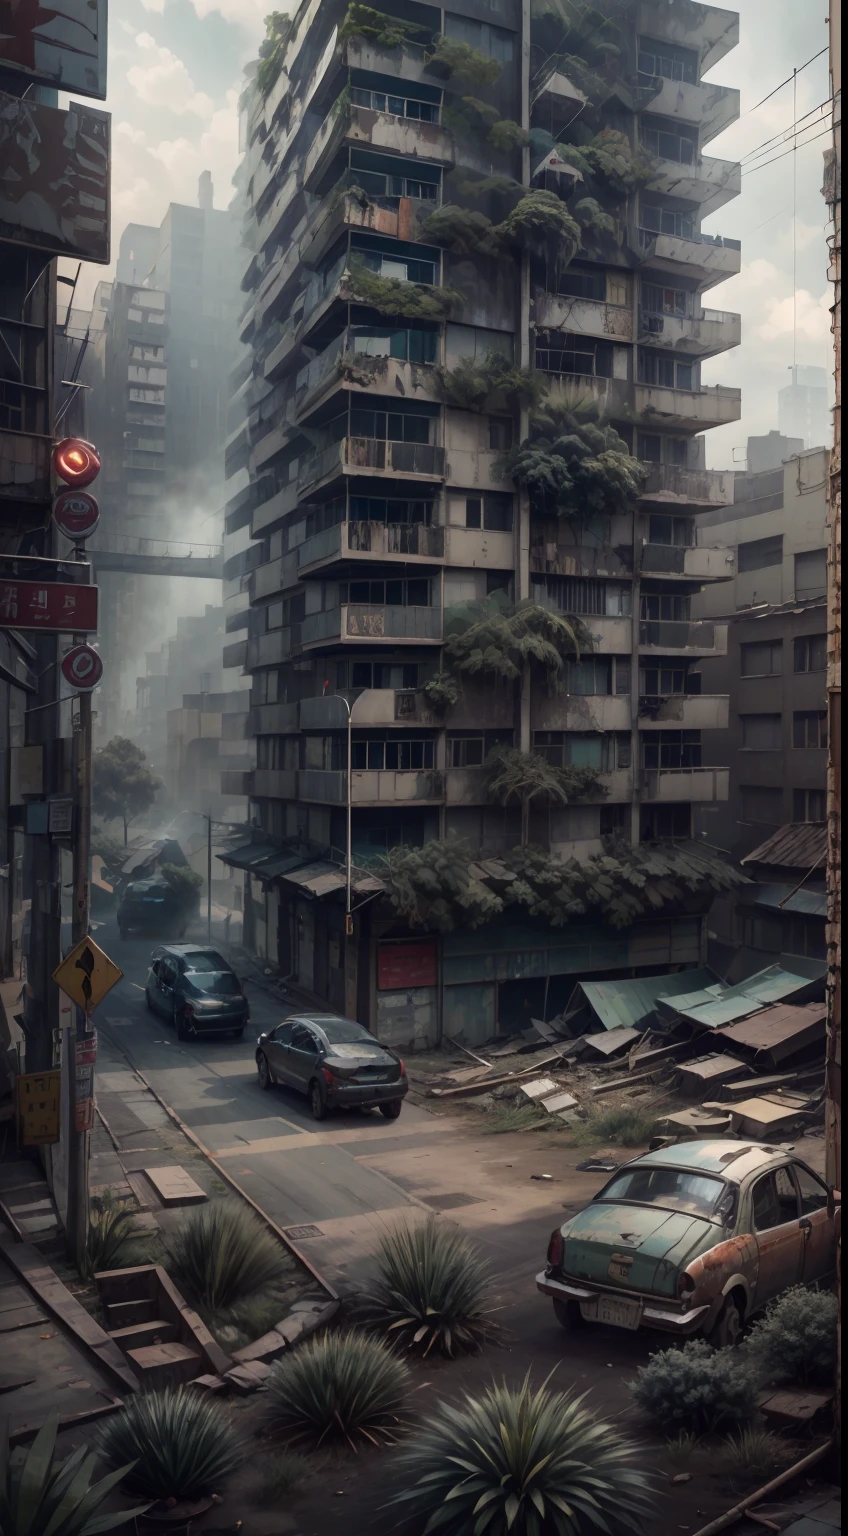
22, 1317
623, 1082
175, 1187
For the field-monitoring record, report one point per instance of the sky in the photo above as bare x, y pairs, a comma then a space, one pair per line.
175, 71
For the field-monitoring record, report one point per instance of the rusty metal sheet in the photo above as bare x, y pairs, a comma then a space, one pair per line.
708, 1071
779, 1032
54, 177
62, 46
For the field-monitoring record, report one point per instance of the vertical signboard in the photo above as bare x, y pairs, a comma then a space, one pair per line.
63, 45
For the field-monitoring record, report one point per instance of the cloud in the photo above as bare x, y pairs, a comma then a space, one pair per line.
154, 5
248, 14
163, 80
810, 316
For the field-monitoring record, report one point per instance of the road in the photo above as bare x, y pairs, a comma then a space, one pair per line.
351, 1175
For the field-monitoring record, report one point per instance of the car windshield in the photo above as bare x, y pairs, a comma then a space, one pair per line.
221, 983
674, 1188
205, 960
344, 1031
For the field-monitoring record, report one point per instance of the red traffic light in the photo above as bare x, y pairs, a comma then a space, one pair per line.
76, 462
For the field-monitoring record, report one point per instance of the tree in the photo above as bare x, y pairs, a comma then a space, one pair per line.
526, 778
573, 467
184, 884
123, 786
496, 638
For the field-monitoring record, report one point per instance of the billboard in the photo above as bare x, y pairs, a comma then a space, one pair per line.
54, 177
63, 46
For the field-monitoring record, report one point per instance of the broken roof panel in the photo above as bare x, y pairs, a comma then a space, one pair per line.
248, 855
618, 1004
718, 1005
318, 879
799, 845
785, 898
780, 1032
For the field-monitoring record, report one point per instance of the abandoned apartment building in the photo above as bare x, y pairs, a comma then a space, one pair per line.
378, 506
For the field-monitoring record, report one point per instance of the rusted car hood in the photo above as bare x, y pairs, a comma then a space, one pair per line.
637, 1247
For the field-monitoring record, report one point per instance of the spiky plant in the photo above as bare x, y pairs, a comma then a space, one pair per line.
221, 1255
431, 1290
113, 1241
56, 1498
182, 1445
343, 1385
528, 1463
492, 638
754, 1450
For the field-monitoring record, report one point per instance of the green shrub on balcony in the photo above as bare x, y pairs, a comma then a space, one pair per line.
526, 779
457, 61
278, 30
413, 301
385, 31
434, 885
506, 136
573, 467
591, 217
608, 162
492, 383
498, 639
462, 230
442, 693
541, 225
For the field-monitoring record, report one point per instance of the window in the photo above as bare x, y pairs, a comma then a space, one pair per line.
775, 1200
668, 61
809, 805
813, 1191
761, 658
405, 268
603, 751
560, 354
665, 370
661, 681
762, 733
757, 931
408, 345
577, 283
494, 42
671, 530
762, 806
471, 750
809, 728
414, 593
491, 511
804, 936
290, 610
400, 756
378, 674
500, 434
424, 185
758, 554
657, 300
656, 219
654, 449
811, 573
589, 677
623, 677
384, 509
672, 1189
671, 749
659, 821
585, 597
659, 606
390, 426
476, 341
811, 653
615, 821
398, 106
669, 140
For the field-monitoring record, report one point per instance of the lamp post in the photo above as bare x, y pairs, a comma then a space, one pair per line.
348, 799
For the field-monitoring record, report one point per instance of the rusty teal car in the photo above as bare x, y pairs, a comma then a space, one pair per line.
694, 1239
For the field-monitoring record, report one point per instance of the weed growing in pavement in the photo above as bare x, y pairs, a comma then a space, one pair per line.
622, 1127
753, 1450
113, 1240
342, 1386
431, 1290
284, 1473
522, 1117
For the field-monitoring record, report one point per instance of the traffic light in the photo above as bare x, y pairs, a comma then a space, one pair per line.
75, 464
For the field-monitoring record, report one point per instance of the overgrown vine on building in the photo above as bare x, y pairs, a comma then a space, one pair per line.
490, 383
442, 693
573, 466
413, 301
278, 30
386, 31
498, 638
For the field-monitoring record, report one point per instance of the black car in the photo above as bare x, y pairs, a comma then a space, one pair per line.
197, 991
335, 1062
150, 906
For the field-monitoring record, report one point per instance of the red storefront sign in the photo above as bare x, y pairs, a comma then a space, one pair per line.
406, 965
48, 605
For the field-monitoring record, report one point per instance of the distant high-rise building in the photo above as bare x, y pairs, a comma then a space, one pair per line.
802, 409
770, 451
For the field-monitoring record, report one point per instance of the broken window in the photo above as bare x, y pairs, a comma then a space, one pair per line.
665, 370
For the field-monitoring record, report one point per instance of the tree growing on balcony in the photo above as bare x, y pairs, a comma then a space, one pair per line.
541, 225
528, 780
574, 467
458, 61
442, 693
490, 383
496, 638
413, 301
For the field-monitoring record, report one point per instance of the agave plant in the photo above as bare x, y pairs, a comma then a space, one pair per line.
180, 1444
113, 1242
221, 1254
431, 1290
56, 1498
528, 1463
341, 1385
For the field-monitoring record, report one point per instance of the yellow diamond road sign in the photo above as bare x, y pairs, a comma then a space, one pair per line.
86, 975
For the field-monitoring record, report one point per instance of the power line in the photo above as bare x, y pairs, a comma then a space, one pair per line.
750, 171
787, 81
752, 154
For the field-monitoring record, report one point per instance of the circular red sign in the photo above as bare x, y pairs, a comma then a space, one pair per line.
76, 514
82, 667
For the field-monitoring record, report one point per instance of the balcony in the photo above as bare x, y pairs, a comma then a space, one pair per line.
360, 372
671, 785
396, 217
548, 558
708, 181
669, 486
618, 784
235, 655
275, 576
610, 636
367, 623
370, 455
705, 29
712, 107
360, 126
369, 707
274, 784
582, 317
691, 562
581, 712
710, 259
715, 406
402, 543
699, 335
275, 508
665, 636
371, 786
690, 711
271, 720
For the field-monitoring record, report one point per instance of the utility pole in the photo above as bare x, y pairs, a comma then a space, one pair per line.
76, 1227
209, 878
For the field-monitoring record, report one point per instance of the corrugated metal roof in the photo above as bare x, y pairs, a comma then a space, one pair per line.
317, 879
625, 1004
719, 1005
780, 1031
248, 855
784, 898
800, 845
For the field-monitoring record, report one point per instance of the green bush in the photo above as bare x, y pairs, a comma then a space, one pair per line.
180, 1444
222, 1255
696, 1388
385, 31
527, 1463
796, 1339
113, 1241
46, 1497
458, 61
414, 301
492, 383
541, 224
431, 1289
341, 1385
442, 693
620, 1127
754, 1451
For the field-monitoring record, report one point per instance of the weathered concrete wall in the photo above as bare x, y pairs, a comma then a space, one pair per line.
409, 1020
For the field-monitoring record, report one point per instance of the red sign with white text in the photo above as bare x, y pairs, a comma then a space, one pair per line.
48, 605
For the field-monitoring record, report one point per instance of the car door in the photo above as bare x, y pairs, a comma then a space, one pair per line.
818, 1227
153, 986
302, 1057
276, 1048
165, 994
778, 1233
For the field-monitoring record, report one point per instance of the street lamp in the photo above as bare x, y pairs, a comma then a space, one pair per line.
348, 798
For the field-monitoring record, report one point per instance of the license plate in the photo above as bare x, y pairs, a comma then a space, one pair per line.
607, 1309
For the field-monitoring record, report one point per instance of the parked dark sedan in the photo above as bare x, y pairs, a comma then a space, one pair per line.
150, 906
335, 1062
197, 991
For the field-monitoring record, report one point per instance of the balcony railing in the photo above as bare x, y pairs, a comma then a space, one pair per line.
373, 538
683, 784
370, 621
682, 635
372, 453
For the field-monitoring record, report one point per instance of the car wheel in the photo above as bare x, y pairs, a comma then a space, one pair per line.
317, 1101
568, 1313
391, 1110
266, 1076
727, 1329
